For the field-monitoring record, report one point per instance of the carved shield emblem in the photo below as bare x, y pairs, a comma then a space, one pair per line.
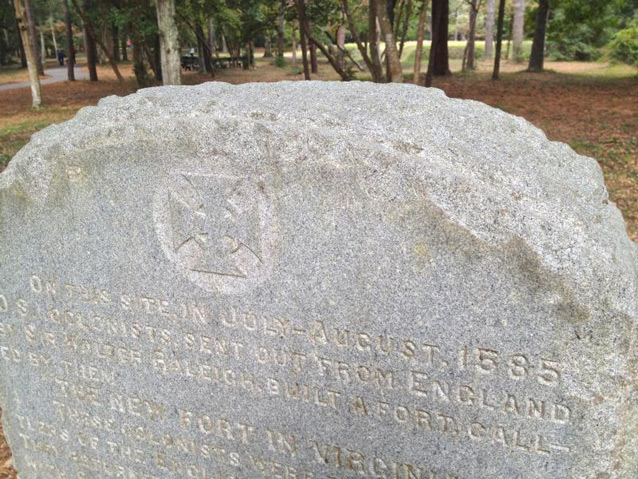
218, 229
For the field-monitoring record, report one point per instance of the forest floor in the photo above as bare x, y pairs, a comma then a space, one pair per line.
6, 463
15, 74
591, 106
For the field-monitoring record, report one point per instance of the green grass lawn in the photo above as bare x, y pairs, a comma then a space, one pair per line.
455, 51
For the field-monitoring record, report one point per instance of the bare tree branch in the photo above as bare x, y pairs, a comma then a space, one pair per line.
355, 35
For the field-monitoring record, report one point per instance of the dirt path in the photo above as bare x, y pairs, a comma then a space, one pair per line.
55, 75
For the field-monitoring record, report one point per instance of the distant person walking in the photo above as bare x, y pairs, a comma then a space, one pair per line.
61, 57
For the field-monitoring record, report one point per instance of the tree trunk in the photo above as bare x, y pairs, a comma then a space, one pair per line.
294, 44
115, 40
346, 76
436, 19
357, 39
509, 38
91, 54
157, 58
43, 50
456, 23
88, 26
200, 46
250, 51
340, 53
468, 58
518, 29
169, 43
152, 58
4, 46
125, 48
224, 44
204, 44
70, 49
139, 68
141, 75
280, 30
212, 43
314, 65
203, 47
537, 57
499, 39
395, 20
268, 47
373, 42
489, 29
33, 35
301, 13
439, 64
24, 32
419, 43
55, 42
393, 72
23, 55
406, 24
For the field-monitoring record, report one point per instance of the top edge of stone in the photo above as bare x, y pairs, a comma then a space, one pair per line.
145, 102
492, 173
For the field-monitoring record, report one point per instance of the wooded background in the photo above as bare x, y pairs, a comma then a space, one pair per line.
359, 38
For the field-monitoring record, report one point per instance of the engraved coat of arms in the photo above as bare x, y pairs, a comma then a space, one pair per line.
218, 229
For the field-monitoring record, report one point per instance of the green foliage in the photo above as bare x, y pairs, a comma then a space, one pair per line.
577, 29
325, 18
5, 158
280, 62
295, 71
624, 46
137, 16
578, 45
244, 21
141, 75
7, 23
324, 13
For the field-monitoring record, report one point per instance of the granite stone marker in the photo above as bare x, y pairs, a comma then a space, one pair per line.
313, 280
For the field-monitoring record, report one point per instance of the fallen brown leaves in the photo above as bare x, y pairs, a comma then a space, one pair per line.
6, 464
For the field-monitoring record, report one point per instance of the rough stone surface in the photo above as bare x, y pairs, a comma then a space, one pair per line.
313, 280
